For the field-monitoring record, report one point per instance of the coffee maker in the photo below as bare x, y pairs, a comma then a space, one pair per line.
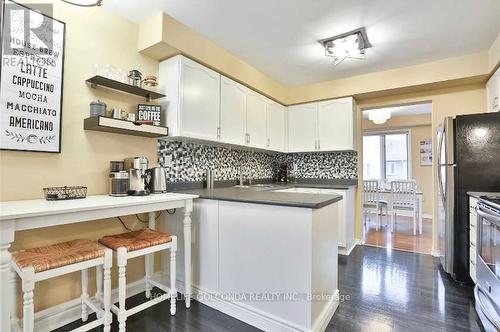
136, 167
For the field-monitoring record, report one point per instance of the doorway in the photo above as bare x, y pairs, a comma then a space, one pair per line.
398, 177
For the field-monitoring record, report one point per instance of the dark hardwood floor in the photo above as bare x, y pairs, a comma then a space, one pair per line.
394, 290
383, 290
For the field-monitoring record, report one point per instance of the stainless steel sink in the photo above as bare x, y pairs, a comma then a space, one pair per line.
259, 186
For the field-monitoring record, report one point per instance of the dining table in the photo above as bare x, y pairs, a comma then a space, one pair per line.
385, 194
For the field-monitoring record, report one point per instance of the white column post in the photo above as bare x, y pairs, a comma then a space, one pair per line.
7, 228
187, 250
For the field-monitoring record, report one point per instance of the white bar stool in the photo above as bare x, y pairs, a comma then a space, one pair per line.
37, 264
133, 244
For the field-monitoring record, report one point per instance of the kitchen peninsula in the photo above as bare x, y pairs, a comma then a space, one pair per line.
265, 257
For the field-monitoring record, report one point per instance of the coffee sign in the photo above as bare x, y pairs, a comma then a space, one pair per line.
149, 113
31, 80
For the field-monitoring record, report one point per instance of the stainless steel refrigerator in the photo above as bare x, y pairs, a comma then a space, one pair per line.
468, 160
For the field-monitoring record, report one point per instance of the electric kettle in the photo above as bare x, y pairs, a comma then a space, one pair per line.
157, 180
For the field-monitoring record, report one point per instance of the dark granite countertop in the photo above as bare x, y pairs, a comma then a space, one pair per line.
269, 197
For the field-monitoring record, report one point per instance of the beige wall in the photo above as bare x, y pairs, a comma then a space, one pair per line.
445, 102
420, 128
161, 36
92, 36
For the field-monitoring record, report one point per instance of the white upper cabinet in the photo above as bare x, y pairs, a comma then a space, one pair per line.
302, 128
202, 104
232, 112
193, 98
276, 126
322, 126
336, 125
256, 120
493, 92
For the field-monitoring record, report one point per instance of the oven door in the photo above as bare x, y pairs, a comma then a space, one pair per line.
487, 292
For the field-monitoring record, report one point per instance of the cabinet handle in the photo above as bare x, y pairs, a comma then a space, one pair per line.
248, 138
315, 144
319, 144
218, 133
268, 142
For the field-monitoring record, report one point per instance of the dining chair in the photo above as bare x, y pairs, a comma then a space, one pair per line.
403, 201
372, 202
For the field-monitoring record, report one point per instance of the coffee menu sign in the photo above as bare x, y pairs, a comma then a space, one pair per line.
31, 79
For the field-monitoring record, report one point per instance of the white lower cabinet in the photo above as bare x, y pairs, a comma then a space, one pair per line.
345, 217
243, 254
472, 237
205, 236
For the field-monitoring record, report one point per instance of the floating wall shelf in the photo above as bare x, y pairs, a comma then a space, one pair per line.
123, 87
117, 126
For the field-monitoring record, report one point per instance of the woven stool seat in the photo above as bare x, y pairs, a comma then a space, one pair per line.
136, 240
58, 255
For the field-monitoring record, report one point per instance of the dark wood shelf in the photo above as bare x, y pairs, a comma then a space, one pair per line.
123, 87
118, 126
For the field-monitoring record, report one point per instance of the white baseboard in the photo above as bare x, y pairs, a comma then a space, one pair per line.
57, 316
253, 316
54, 317
426, 216
359, 242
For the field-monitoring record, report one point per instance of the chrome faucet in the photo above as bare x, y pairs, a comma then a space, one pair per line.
250, 180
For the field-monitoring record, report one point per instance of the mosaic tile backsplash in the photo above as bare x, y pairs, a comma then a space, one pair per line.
189, 162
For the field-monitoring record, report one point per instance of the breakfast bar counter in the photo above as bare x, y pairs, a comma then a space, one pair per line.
31, 214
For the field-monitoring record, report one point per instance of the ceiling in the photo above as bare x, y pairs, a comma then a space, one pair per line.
404, 110
279, 37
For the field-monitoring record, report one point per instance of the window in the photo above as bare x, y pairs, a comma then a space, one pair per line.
385, 156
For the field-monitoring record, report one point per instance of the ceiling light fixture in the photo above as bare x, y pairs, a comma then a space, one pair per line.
84, 3
351, 44
379, 116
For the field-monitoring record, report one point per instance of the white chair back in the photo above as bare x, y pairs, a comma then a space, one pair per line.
370, 192
404, 193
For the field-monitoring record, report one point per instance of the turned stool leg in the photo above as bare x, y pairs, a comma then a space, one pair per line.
149, 268
13, 308
122, 286
173, 291
85, 294
28, 284
108, 262
98, 287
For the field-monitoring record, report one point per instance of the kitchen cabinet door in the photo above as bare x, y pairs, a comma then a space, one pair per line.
232, 112
493, 92
276, 125
302, 127
256, 120
336, 125
200, 101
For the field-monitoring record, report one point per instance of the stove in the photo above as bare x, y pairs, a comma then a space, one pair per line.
493, 200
